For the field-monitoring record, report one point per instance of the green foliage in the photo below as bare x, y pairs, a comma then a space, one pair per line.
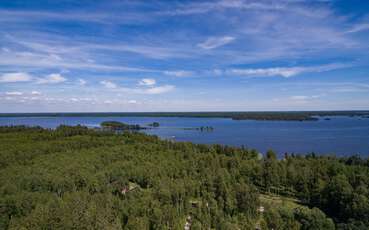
313, 219
303, 218
77, 178
73, 177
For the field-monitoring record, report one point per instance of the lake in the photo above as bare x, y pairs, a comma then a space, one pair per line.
339, 135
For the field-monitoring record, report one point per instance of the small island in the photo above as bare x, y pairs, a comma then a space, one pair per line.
202, 129
119, 126
154, 124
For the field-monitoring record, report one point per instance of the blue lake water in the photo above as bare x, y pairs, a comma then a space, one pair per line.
340, 135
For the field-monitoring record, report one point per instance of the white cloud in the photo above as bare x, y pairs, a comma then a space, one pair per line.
286, 71
347, 87
147, 82
53, 78
270, 30
211, 6
278, 71
151, 89
159, 89
216, 72
298, 98
15, 77
14, 93
214, 42
31, 98
179, 73
42, 61
149, 51
82, 82
306, 98
108, 84
132, 102
75, 16
36, 93
359, 28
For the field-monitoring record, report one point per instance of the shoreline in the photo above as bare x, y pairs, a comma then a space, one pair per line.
265, 116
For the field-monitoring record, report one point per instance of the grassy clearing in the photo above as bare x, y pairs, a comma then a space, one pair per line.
273, 200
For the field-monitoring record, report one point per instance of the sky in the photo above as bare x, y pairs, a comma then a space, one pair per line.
218, 55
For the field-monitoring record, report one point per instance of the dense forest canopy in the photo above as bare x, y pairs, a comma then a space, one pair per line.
277, 115
77, 178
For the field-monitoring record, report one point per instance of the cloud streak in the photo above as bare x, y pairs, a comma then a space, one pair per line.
108, 84
14, 93
41, 60
285, 71
158, 89
359, 28
212, 6
15, 77
147, 82
179, 73
53, 78
147, 86
215, 42
12, 16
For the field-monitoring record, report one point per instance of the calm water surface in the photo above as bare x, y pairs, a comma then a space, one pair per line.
340, 135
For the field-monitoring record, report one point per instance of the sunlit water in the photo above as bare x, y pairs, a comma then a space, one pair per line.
340, 135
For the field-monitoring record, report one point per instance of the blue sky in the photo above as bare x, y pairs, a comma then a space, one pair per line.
226, 55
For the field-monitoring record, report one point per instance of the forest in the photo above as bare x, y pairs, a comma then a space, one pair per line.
78, 178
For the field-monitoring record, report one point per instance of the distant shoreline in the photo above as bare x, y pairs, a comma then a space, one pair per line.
273, 116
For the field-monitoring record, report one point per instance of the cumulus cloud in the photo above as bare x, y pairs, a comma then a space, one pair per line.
147, 82
214, 42
15, 77
108, 84
53, 78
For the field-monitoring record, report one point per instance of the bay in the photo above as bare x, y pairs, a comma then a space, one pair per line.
341, 135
